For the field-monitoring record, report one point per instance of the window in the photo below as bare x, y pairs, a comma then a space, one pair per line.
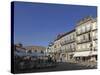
78, 30
94, 25
83, 29
70, 46
72, 37
66, 47
73, 48
77, 39
88, 27
83, 37
66, 39
89, 36
35, 50
30, 51
96, 34
78, 47
55, 46
86, 37
93, 35
83, 46
96, 44
88, 46
42, 51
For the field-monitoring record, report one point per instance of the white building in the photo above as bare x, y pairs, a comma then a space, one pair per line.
86, 39
79, 44
68, 45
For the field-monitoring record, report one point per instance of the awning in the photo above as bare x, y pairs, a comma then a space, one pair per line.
82, 54
94, 53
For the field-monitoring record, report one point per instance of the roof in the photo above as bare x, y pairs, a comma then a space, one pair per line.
20, 48
84, 20
35, 47
95, 19
64, 34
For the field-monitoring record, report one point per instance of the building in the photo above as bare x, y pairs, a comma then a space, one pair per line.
86, 39
19, 50
63, 46
68, 45
79, 44
54, 48
24, 51
50, 49
38, 49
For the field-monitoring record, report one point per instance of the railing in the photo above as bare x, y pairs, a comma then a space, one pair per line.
67, 42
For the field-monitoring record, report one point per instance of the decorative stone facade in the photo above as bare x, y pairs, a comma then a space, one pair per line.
78, 44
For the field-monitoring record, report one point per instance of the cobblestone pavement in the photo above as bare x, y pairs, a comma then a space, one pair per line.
60, 67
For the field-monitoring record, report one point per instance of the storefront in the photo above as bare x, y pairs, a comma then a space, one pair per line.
85, 56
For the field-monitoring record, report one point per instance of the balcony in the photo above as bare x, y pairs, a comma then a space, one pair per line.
67, 42
83, 41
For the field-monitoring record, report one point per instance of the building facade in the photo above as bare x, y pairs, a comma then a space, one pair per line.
86, 40
54, 48
68, 45
26, 51
79, 44
38, 49
63, 47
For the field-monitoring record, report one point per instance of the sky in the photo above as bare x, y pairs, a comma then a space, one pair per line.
40, 23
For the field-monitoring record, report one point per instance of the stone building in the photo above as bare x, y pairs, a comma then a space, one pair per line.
54, 48
79, 44
38, 49
50, 49
86, 39
20, 50
63, 46
68, 45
